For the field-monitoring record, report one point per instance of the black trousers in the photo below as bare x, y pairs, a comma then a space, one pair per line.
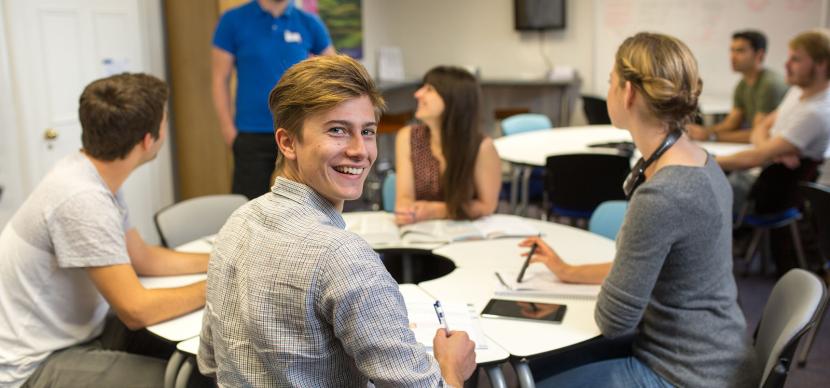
254, 155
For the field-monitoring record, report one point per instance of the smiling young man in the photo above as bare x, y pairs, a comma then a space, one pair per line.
293, 298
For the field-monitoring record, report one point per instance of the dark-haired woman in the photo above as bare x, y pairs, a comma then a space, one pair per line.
671, 282
445, 166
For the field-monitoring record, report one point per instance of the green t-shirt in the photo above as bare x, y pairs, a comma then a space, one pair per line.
762, 97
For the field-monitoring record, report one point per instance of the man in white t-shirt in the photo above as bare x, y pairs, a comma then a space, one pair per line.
791, 141
69, 253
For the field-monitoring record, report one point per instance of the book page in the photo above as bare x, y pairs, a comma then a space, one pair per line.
376, 228
504, 225
440, 231
538, 280
460, 317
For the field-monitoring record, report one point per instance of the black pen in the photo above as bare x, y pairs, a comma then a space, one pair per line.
527, 261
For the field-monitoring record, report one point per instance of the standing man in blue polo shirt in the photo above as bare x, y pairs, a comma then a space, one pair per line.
261, 39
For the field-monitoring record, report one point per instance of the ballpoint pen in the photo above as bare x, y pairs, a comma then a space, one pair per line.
442, 319
527, 261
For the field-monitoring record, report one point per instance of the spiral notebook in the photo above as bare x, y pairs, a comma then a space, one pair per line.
539, 281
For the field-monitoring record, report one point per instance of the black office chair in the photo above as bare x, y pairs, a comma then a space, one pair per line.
575, 184
596, 110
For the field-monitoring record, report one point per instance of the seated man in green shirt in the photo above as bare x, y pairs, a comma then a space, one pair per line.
758, 93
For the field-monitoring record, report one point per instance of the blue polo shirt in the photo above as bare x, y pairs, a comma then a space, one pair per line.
263, 47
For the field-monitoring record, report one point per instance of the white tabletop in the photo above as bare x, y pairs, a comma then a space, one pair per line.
190, 346
533, 148
471, 282
519, 338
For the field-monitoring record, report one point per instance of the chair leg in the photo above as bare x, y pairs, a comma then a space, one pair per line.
526, 171
523, 373
751, 250
184, 373
811, 336
766, 251
496, 376
799, 250
515, 172
173, 366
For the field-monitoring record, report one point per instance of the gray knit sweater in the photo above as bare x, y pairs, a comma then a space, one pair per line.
672, 281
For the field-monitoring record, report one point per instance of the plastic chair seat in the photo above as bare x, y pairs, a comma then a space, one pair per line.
772, 221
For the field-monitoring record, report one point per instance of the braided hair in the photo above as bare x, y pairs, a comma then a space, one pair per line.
665, 72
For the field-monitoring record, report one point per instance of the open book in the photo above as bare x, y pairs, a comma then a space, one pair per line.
460, 317
380, 229
539, 281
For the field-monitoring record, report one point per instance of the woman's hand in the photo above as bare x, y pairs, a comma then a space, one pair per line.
546, 255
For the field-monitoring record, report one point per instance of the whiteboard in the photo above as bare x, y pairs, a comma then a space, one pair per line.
706, 26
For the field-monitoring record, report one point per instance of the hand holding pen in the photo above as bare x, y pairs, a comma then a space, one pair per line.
540, 252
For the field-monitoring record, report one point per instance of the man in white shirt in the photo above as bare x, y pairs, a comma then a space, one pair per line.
69, 254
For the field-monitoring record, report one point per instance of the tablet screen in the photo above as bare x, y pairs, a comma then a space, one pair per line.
534, 311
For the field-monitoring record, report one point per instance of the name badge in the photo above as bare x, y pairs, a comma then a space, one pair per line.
293, 37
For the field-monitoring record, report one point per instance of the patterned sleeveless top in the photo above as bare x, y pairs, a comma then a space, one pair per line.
425, 166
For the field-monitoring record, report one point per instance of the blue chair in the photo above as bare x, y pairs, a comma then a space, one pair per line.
525, 122
388, 190
532, 178
607, 218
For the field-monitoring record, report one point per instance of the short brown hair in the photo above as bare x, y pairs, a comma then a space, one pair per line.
118, 111
664, 70
317, 85
817, 45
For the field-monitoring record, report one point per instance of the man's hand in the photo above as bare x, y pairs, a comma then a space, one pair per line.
456, 356
229, 133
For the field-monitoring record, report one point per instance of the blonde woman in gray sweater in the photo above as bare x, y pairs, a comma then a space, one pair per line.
671, 281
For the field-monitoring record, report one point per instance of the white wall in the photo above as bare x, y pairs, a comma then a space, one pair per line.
476, 33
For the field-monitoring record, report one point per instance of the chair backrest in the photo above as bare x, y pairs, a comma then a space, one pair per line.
525, 122
577, 183
607, 218
388, 197
817, 211
789, 313
196, 217
596, 110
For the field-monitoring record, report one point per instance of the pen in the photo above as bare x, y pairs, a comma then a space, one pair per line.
527, 261
503, 283
442, 319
